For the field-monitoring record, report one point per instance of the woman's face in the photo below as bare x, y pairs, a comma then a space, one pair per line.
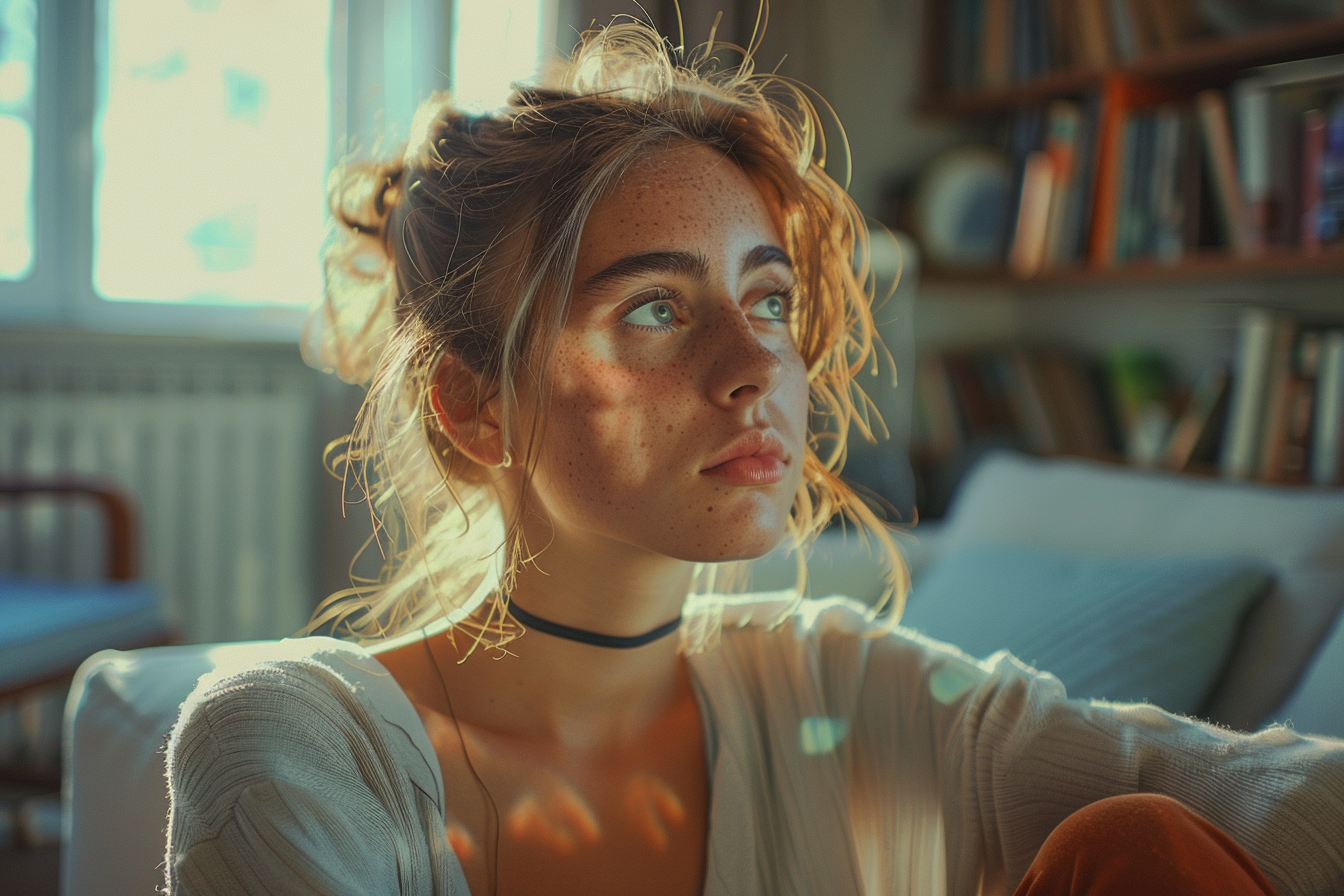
677, 416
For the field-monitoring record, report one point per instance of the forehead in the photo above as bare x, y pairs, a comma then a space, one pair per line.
681, 197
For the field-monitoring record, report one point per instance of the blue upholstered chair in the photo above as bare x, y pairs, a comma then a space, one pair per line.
48, 627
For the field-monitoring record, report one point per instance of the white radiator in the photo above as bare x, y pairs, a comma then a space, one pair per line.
219, 457
216, 448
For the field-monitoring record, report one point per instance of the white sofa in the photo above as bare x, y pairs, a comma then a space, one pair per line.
1286, 654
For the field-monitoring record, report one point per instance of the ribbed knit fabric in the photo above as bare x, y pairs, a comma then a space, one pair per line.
841, 763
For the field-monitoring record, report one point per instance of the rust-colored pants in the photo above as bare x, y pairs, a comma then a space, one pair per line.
1141, 843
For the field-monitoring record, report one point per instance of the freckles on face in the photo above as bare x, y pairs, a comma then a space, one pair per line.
640, 403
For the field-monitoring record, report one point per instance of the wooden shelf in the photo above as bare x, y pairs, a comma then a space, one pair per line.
1213, 58
1277, 263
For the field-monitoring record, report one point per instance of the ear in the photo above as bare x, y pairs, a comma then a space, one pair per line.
469, 419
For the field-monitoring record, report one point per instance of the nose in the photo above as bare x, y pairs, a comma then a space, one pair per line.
745, 368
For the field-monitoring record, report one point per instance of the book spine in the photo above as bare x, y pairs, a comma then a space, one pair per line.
1166, 198
1327, 448
1278, 399
1040, 431
1195, 423
1223, 166
1124, 30
1331, 221
941, 428
1251, 101
1313, 149
1093, 34
1250, 373
1062, 146
1294, 466
996, 30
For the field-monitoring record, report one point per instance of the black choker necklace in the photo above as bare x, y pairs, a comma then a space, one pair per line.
596, 639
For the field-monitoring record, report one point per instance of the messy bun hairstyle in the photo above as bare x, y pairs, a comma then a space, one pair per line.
467, 245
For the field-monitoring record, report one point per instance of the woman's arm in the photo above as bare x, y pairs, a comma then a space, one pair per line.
1010, 757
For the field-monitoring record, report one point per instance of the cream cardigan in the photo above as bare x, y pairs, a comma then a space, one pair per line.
841, 763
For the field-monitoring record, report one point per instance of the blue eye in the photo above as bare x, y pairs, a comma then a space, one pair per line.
772, 307
656, 313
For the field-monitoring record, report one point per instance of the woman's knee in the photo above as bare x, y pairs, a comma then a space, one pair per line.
1141, 842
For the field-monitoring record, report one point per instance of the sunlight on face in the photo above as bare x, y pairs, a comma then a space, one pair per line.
678, 406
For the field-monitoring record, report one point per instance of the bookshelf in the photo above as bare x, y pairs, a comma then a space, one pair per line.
1246, 239
1207, 58
1196, 153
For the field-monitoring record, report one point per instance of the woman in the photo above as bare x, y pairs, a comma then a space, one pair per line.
600, 328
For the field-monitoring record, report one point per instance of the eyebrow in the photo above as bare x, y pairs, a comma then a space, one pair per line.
686, 264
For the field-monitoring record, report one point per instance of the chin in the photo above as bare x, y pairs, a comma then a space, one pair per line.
745, 543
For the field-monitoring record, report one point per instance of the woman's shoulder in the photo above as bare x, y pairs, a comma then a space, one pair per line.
840, 644
309, 672
312, 699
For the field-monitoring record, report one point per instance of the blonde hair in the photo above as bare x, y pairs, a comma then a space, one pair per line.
466, 247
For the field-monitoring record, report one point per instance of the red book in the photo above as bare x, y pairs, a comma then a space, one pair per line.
1119, 97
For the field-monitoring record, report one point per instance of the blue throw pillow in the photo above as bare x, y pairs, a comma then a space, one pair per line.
1159, 629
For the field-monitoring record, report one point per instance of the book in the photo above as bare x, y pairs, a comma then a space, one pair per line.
1250, 374
936, 408
1279, 388
1064, 36
1194, 194
1174, 21
1069, 240
1313, 149
1120, 98
1299, 71
1167, 216
1295, 456
1040, 433
1131, 206
1221, 157
1327, 444
1199, 423
1094, 33
1250, 100
1027, 253
1330, 221
996, 28
1124, 30
1063, 129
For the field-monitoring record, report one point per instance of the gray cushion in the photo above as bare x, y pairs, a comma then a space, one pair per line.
1317, 704
1091, 508
1129, 629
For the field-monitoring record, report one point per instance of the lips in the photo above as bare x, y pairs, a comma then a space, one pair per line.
754, 458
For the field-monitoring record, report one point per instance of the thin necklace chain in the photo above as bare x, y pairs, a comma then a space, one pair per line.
493, 830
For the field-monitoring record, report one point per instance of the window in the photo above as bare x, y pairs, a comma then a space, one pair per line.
18, 75
172, 154
210, 151
495, 42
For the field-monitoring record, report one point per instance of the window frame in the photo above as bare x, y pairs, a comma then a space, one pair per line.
401, 53
58, 292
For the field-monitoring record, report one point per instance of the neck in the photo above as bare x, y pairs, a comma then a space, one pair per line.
573, 693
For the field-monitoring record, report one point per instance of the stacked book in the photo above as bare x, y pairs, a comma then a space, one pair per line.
1150, 173
1285, 420
1044, 399
1275, 414
1289, 147
993, 44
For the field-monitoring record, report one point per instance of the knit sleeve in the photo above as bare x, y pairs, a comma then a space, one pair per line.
280, 780
1007, 757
